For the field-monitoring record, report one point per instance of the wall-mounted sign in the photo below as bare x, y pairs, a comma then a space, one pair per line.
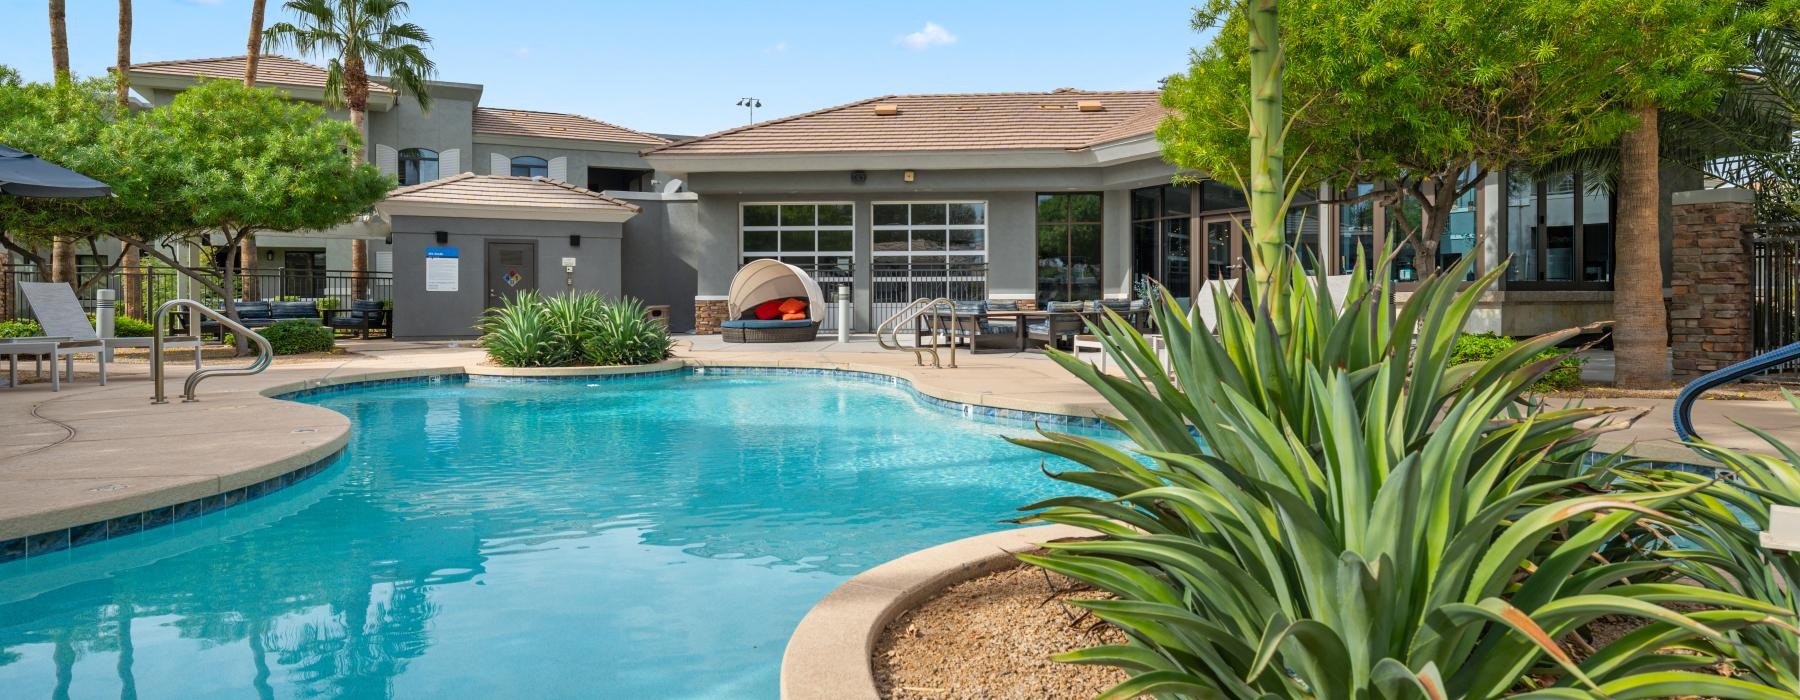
441, 269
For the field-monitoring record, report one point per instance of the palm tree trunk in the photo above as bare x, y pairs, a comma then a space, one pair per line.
1266, 176
246, 263
1641, 326
253, 49
124, 52
358, 91
59, 42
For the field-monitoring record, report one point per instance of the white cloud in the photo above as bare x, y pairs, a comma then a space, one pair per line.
931, 35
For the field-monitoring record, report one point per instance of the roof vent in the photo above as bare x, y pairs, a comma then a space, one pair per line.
1090, 106
1065, 91
886, 110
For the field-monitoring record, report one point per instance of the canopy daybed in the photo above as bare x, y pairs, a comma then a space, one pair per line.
773, 302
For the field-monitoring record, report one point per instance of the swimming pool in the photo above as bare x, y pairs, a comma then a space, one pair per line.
653, 536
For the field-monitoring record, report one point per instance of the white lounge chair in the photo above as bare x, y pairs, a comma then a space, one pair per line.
36, 348
60, 314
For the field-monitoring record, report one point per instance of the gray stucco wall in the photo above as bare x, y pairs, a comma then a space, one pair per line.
663, 249
420, 315
579, 159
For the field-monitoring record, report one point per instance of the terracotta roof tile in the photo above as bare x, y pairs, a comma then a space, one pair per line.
948, 122
556, 125
1144, 122
270, 69
501, 190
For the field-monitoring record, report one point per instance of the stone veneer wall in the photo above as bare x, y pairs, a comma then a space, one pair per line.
1709, 306
708, 314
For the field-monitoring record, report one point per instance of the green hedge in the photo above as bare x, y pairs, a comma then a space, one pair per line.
19, 329
1478, 347
298, 336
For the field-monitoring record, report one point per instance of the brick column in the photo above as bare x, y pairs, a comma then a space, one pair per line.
708, 314
1709, 307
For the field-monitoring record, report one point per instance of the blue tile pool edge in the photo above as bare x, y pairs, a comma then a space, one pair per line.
100, 531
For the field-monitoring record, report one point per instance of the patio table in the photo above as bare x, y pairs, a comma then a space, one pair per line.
31, 346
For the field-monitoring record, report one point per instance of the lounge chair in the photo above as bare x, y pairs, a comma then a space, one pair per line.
364, 315
764, 281
1066, 323
36, 348
60, 314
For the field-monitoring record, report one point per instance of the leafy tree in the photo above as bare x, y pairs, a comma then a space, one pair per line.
355, 37
234, 161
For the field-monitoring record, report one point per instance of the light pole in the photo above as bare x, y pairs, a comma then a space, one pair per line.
750, 103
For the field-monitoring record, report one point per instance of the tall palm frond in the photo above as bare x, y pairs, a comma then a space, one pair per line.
359, 38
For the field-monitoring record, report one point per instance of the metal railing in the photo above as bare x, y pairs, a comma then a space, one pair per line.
264, 353
154, 284
895, 284
912, 311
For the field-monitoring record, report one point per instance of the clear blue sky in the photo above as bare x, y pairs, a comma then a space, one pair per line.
680, 67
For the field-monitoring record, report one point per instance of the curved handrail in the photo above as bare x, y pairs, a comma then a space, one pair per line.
911, 311
1684, 401
264, 353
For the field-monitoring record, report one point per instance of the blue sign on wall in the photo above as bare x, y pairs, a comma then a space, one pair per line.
441, 269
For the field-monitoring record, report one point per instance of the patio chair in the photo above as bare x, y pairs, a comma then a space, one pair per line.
60, 314
1066, 323
364, 315
36, 348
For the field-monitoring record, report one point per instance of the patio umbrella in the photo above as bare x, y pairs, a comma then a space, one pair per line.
26, 175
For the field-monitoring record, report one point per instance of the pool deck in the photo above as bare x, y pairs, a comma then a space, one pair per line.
91, 453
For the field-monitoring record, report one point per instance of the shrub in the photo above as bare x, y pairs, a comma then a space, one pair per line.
1337, 509
128, 327
298, 336
19, 328
1481, 347
626, 336
532, 330
327, 303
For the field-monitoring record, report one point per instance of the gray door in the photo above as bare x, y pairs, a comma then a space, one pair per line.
511, 268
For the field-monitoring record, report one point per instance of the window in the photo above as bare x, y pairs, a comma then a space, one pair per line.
418, 165
1068, 235
1369, 226
530, 166
929, 249
1161, 240
814, 237
1559, 230
1356, 229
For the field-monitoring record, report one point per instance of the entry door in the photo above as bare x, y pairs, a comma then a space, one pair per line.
511, 268
1224, 240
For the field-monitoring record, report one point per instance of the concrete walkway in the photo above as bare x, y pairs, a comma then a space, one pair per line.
90, 453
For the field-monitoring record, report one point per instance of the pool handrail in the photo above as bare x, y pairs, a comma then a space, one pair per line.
265, 354
1690, 394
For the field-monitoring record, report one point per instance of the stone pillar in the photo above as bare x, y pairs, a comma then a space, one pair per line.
1709, 306
708, 314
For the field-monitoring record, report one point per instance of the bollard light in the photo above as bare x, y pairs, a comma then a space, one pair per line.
103, 316
843, 298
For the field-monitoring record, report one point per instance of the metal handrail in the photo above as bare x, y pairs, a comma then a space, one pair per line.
264, 353
912, 311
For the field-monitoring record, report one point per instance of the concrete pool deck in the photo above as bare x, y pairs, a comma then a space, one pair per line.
90, 453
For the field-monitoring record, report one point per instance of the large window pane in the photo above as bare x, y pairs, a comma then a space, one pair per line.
1069, 250
1559, 229
1175, 201
910, 242
968, 213
890, 215
1356, 230
1220, 263
1084, 208
760, 242
1052, 262
890, 241
1302, 231
1215, 196
799, 215
1084, 259
761, 215
1177, 263
1521, 227
928, 215
1145, 203
798, 241
1053, 207
1401, 226
928, 240
835, 214
967, 239
836, 241
1596, 233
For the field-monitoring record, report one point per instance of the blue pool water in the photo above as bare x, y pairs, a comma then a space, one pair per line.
637, 538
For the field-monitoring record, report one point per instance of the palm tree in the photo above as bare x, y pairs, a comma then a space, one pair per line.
252, 54
134, 293
1641, 326
62, 252
355, 37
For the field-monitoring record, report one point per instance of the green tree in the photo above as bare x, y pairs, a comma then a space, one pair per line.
233, 161
356, 37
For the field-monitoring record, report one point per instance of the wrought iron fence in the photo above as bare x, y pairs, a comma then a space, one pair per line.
829, 275
1774, 289
897, 283
156, 284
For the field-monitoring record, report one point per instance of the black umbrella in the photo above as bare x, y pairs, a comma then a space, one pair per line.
26, 175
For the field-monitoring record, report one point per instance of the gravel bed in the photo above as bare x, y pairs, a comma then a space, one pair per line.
992, 637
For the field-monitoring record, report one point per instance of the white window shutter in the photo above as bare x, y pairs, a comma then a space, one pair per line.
450, 162
499, 164
384, 261
387, 160
559, 169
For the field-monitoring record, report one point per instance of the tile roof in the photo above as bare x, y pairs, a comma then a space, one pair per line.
469, 189
944, 122
1142, 123
270, 69
556, 125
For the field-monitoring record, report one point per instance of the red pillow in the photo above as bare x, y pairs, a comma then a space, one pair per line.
793, 306
768, 310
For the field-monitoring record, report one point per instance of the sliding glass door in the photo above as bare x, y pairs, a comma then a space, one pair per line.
1068, 247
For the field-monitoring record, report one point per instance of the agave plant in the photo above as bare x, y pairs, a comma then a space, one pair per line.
1717, 542
1338, 511
624, 335
518, 333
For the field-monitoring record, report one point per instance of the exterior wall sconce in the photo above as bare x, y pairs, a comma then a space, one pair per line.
574, 240
907, 176
443, 237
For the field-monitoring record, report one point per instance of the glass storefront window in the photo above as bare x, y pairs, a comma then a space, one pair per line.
1558, 229
1069, 246
1356, 229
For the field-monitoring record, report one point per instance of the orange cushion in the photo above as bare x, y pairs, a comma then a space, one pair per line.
793, 317
792, 306
768, 310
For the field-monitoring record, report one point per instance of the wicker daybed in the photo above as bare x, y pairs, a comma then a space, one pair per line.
772, 302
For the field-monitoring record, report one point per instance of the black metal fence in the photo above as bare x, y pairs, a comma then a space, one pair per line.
897, 283
1775, 287
157, 284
